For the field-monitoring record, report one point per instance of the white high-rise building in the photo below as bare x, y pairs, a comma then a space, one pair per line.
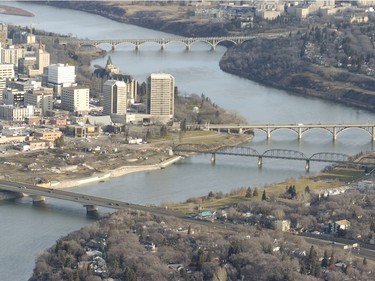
75, 99
160, 94
58, 76
6, 72
114, 97
61, 74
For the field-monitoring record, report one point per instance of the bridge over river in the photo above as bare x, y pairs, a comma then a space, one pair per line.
333, 128
187, 42
39, 194
328, 157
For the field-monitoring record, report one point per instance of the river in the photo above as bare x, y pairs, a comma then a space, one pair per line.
26, 230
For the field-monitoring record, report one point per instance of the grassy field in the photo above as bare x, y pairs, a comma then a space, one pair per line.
333, 179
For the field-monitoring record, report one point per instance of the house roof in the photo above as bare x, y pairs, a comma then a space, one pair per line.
342, 222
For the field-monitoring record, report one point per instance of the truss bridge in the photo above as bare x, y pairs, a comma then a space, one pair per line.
328, 157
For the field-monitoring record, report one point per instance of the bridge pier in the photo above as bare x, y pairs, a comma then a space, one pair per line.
213, 158
299, 133
162, 47
240, 131
213, 47
260, 162
38, 198
187, 47
136, 47
268, 134
373, 133
91, 209
307, 166
113, 47
334, 133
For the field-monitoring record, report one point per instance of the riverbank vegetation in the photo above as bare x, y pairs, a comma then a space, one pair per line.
136, 246
327, 62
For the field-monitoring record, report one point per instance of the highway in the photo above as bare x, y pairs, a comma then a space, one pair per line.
85, 200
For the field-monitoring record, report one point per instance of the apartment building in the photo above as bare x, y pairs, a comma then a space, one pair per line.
75, 99
160, 94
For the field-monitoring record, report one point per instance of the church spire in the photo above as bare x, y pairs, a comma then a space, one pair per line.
109, 64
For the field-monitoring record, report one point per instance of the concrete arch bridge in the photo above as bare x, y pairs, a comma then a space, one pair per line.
187, 42
333, 128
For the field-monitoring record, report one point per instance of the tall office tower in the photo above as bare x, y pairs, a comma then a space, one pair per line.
40, 98
3, 35
160, 94
6, 72
42, 58
114, 97
75, 99
12, 54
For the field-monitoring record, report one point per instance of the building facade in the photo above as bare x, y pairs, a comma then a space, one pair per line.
114, 97
3, 35
110, 72
160, 94
61, 73
6, 72
13, 97
75, 99
40, 98
12, 55
13, 113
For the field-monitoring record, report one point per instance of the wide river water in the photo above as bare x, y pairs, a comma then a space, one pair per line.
26, 230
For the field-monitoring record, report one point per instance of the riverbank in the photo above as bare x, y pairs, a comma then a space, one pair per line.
9, 10
118, 172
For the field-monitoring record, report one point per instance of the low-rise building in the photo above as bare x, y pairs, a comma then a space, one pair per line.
341, 225
282, 225
13, 113
47, 135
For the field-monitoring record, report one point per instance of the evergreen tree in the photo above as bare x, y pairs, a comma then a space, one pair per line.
307, 189
255, 192
313, 263
183, 125
249, 193
264, 196
325, 259
201, 259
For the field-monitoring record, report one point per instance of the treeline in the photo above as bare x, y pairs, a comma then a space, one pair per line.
316, 61
137, 246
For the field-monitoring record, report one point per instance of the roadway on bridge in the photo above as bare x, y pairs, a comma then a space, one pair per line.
79, 198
